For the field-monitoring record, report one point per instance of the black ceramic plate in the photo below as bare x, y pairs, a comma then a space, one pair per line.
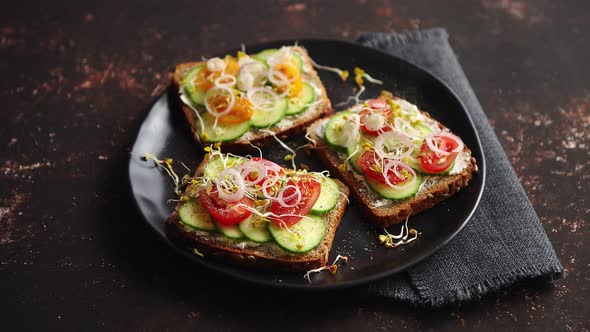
165, 134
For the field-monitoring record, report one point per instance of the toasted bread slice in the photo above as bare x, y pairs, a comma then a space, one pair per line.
383, 212
267, 256
289, 126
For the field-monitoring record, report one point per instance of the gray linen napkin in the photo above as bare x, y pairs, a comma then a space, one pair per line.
504, 242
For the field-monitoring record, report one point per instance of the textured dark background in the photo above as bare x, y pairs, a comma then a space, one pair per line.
78, 78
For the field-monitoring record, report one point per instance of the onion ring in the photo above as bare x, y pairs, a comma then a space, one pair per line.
395, 164
433, 146
296, 195
212, 93
248, 168
219, 81
264, 105
382, 142
230, 185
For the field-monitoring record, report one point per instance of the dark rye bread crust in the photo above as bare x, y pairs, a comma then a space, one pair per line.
396, 212
300, 123
267, 256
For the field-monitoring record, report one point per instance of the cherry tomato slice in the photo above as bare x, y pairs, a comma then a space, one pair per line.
377, 104
310, 191
372, 166
225, 213
272, 169
430, 162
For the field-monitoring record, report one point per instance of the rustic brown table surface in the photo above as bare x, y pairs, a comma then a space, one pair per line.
77, 80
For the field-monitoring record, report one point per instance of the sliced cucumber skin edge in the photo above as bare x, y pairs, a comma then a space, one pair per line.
277, 115
282, 239
265, 54
230, 232
329, 131
392, 194
191, 214
353, 161
260, 234
214, 166
195, 95
330, 191
336, 147
307, 96
229, 132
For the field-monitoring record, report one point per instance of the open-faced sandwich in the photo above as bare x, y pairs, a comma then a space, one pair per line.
397, 159
247, 99
256, 213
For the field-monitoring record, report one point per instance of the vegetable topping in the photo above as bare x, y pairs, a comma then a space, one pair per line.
234, 188
439, 151
225, 212
254, 200
388, 140
295, 200
251, 90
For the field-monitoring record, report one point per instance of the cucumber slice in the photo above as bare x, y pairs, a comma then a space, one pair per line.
232, 232
264, 55
414, 163
195, 215
222, 132
354, 152
448, 170
216, 165
262, 119
386, 191
423, 130
301, 103
255, 229
195, 94
334, 128
302, 237
354, 158
328, 196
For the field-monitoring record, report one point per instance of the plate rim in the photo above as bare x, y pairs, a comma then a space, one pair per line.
347, 283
